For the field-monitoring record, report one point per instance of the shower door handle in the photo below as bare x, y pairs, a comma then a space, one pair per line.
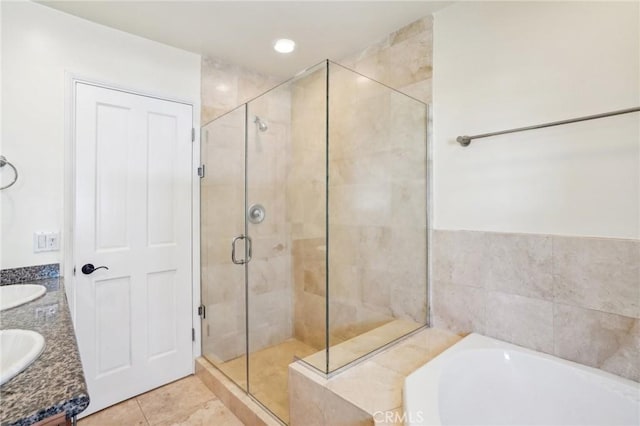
233, 250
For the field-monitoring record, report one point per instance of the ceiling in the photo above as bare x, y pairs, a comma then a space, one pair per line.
243, 32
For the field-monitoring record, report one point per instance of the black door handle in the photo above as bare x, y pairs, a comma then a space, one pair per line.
89, 268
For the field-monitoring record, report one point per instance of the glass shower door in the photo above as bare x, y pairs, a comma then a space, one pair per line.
286, 183
224, 326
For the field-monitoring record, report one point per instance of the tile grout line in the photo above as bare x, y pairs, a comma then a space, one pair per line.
142, 411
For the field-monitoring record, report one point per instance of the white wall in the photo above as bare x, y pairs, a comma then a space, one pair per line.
509, 64
39, 45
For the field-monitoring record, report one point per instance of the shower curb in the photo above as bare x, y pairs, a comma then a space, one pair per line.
233, 397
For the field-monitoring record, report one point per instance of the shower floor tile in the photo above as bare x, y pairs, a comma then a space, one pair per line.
268, 373
186, 402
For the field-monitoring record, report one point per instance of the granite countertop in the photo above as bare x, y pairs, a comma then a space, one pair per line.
55, 381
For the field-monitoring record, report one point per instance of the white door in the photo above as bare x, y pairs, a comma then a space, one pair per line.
133, 176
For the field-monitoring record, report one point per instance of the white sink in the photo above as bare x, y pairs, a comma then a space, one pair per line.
18, 294
18, 349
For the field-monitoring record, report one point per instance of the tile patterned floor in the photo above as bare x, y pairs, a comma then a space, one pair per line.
186, 402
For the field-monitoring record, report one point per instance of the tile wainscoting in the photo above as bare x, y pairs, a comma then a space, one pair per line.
574, 297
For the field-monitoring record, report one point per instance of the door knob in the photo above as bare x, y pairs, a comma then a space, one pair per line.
89, 268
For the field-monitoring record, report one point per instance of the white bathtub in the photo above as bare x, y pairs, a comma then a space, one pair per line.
484, 381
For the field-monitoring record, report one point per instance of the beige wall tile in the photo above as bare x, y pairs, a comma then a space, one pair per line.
371, 167
595, 284
345, 282
412, 30
458, 258
520, 264
267, 275
225, 86
412, 59
224, 282
360, 204
377, 162
376, 288
458, 308
422, 90
521, 320
346, 240
270, 290
374, 246
598, 339
409, 295
409, 250
625, 361
409, 204
402, 58
598, 273
310, 319
408, 117
219, 89
343, 321
224, 336
314, 278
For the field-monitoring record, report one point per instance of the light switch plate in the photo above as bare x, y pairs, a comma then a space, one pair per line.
46, 241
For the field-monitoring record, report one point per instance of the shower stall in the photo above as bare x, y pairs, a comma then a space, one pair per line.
313, 228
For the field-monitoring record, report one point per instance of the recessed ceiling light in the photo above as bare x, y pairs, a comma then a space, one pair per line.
284, 45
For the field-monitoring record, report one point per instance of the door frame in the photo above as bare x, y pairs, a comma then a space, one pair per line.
71, 80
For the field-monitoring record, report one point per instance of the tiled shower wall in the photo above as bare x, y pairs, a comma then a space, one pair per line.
225, 87
377, 167
269, 272
574, 297
377, 205
403, 60
306, 207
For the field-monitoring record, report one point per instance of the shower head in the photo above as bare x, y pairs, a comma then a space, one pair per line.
262, 125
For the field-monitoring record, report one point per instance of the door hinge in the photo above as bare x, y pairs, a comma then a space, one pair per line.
74, 271
202, 311
193, 334
193, 134
201, 171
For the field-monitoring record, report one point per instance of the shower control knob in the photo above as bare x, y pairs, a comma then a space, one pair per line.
256, 213
89, 268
